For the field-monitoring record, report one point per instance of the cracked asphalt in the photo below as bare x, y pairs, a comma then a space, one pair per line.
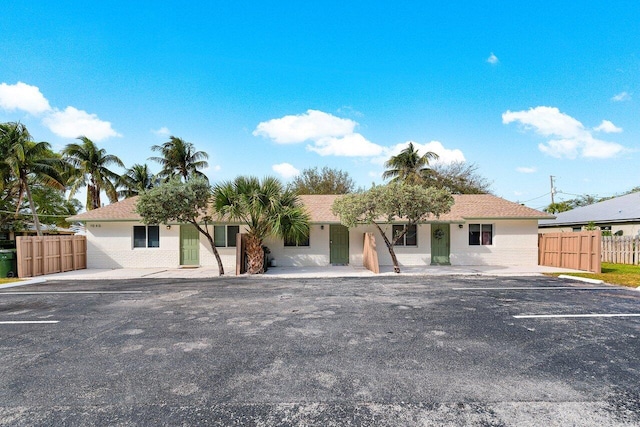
251, 351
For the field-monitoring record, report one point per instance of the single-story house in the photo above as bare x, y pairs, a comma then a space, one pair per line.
620, 215
479, 230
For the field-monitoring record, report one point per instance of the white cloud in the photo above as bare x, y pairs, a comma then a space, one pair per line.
328, 135
163, 131
217, 168
492, 59
285, 170
622, 96
525, 169
352, 145
72, 123
607, 127
445, 155
22, 96
312, 125
569, 138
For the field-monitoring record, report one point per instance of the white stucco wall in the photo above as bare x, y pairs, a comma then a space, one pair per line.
514, 243
110, 245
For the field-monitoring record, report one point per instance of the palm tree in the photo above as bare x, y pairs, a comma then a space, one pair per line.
92, 169
29, 163
135, 180
266, 208
408, 166
180, 158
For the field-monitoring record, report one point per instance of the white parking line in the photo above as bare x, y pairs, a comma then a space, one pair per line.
541, 288
28, 322
559, 316
74, 292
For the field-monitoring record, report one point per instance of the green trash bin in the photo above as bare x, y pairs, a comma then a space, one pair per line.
8, 267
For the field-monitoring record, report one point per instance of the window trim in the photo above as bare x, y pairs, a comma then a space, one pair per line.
147, 237
403, 242
226, 235
481, 235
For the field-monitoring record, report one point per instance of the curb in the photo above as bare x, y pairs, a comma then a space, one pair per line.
22, 283
582, 279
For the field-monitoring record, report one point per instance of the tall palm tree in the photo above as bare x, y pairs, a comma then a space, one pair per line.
180, 158
92, 169
29, 163
267, 208
408, 166
135, 180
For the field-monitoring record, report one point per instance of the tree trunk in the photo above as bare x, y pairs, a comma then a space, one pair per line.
32, 205
255, 255
396, 267
205, 231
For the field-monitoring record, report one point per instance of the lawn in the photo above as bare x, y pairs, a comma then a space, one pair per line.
618, 274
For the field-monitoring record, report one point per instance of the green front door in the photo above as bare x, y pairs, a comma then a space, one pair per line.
189, 245
338, 244
440, 244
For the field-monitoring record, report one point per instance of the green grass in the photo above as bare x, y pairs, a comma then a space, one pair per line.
618, 274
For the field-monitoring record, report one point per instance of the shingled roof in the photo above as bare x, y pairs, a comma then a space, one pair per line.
466, 207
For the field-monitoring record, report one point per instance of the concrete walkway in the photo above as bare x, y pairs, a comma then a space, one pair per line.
301, 272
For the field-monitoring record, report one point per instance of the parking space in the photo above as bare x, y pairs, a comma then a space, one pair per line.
413, 350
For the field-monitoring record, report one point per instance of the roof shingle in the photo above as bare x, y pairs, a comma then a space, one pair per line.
466, 207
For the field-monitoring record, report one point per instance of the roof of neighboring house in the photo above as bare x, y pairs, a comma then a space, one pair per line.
466, 207
619, 209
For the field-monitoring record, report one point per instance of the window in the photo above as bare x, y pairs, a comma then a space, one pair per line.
410, 238
480, 234
291, 242
225, 235
146, 236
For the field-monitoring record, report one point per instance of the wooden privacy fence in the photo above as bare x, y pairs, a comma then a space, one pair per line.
38, 256
369, 253
578, 251
621, 249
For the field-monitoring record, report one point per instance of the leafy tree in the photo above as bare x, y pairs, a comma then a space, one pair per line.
558, 207
458, 178
53, 207
267, 208
180, 158
325, 181
29, 163
181, 202
137, 179
409, 166
91, 166
395, 202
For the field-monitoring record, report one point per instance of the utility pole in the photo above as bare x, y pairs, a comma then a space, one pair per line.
553, 190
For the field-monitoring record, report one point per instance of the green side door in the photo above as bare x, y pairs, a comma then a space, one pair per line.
440, 244
338, 244
189, 245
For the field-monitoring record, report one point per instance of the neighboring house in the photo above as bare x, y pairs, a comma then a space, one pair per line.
479, 230
619, 215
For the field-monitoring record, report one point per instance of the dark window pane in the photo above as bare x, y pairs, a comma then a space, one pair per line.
411, 238
219, 236
139, 236
232, 230
153, 237
289, 242
474, 234
304, 242
487, 234
397, 230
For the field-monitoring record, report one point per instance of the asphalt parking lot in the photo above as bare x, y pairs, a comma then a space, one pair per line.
407, 351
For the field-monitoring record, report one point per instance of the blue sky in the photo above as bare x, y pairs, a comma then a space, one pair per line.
523, 89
